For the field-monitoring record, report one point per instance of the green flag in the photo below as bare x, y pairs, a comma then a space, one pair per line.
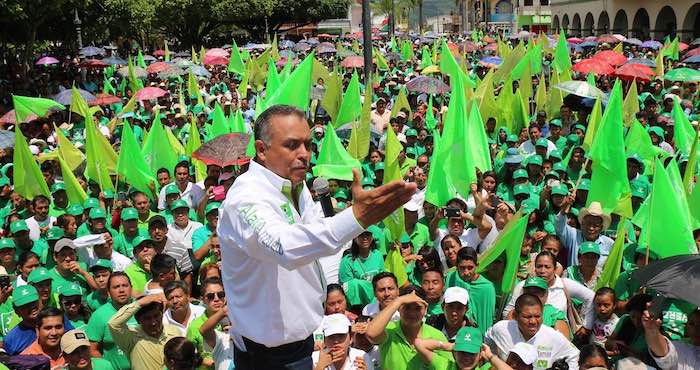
67, 151
333, 96
509, 241
107, 87
556, 99
630, 106
381, 62
235, 63
638, 142
167, 51
430, 120
80, 106
28, 179
361, 131
274, 51
131, 163
134, 83
287, 69
237, 123
509, 63
426, 60
671, 50
194, 141
351, 106
140, 61
541, 95
609, 183
694, 205
613, 264
683, 132
296, 89
438, 189
75, 192
334, 162
157, 152
101, 157
392, 171
401, 103
395, 264
562, 61
594, 120
219, 124
532, 60
691, 166
25, 106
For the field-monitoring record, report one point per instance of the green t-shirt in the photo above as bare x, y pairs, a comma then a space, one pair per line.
8, 318
200, 236
101, 364
482, 298
138, 276
79, 323
98, 331
625, 286
59, 280
550, 315
95, 300
449, 363
124, 244
356, 276
397, 353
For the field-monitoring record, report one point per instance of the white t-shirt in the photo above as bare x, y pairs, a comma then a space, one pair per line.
551, 345
223, 351
195, 312
349, 361
372, 310
469, 238
34, 226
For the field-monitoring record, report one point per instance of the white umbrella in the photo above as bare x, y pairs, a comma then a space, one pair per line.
583, 89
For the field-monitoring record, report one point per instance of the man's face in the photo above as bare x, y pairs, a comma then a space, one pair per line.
41, 210
433, 285
412, 313
420, 178
213, 219
592, 227
120, 290
178, 300
7, 256
50, 331
466, 269
98, 224
29, 311
158, 232
337, 343
380, 107
289, 149
386, 291
529, 320
454, 313
180, 216
130, 226
555, 131
455, 225
65, 258
144, 253
152, 323
182, 176
163, 179
534, 133
79, 358
101, 276
60, 198
466, 360
142, 204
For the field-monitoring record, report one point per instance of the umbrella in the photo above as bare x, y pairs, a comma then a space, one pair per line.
611, 57
65, 97
430, 69
693, 53
427, 85
182, 54
683, 74
696, 41
114, 60
200, 71
149, 93
486, 39
674, 277
171, 72
574, 40
619, 37
11, 119
491, 47
105, 99
224, 150
348, 53
523, 35
138, 72
693, 59
7, 138
93, 63
159, 53
682, 46
183, 63
301, 47
216, 52
157, 67
635, 71
392, 56
353, 62
595, 66
470, 47
588, 44
644, 61
286, 44
327, 44
345, 130
312, 41
325, 35
581, 88
326, 50
46, 61
91, 51
215, 61
288, 53
633, 41
652, 44
492, 60
149, 58
607, 38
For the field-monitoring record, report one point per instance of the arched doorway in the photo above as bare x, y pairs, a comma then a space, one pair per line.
665, 23
641, 24
603, 25
565, 23
576, 25
555, 24
691, 24
588, 25
620, 23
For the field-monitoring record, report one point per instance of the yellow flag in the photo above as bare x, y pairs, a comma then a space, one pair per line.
659, 65
541, 95
358, 147
400, 103
618, 48
72, 156
630, 106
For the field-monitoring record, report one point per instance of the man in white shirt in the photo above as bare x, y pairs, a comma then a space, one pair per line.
336, 353
527, 327
380, 116
93, 247
182, 228
386, 289
189, 192
677, 354
180, 312
272, 235
41, 221
529, 147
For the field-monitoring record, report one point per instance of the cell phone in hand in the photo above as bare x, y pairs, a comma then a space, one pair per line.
452, 212
5, 281
657, 306
219, 193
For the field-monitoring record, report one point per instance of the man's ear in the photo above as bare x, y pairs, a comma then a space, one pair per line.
260, 149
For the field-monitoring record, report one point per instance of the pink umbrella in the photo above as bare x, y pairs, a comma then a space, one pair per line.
682, 46
353, 62
46, 61
105, 99
693, 52
159, 53
216, 52
157, 67
149, 93
595, 66
574, 40
10, 118
611, 57
93, 63
215, 60
635, 71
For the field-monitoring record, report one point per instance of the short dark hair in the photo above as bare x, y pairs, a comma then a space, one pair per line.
171, 286
467, 254
145, 309
262, 123
593, 351
383, 275
182, 164
48, 312
40, 198
117, 274
605, 290
163, 170
182, 352
526, 300
211, 281
413, 288
162, 264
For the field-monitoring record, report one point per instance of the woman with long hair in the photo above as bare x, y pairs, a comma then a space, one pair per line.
358, 267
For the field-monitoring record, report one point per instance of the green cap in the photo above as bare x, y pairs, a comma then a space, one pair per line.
588, 247
585, 184
19, 225
405, 238
512, 138
96, 213
520, 174
129, 213
580, 127
341, 193
379, 166
54, 233
559, 167
139, 239
542, 142
555, 122
530, 205
552, 175
75, 210
572, 139
58, 186
560, 190
643, 250
214, 206
171, 189
521, 189
7, 243
70, 290
367, 181
555, 154
24, 294
410, 150
101, 264
656, 130
38, 275
4, 181
535, 159
91, 203
108, 194
536, 282
468, 339
179, 204
411, 132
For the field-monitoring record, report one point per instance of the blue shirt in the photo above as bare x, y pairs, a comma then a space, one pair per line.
571, 238
21, 337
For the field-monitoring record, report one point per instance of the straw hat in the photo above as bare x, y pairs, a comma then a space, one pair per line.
595, 209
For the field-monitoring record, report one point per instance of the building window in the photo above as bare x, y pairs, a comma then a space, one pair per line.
528, 3
544, 2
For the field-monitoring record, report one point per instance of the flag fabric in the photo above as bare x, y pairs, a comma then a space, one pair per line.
134, 83
659, 61
158, 153
351, 107
426, 60
609, 183
193, 143
392, 171
75, 192
691, 167
438, 189
274, 51
360, 136
394, 263
630, 106
381, 61
273, 81
296, 89
131, 163
555, 98
541, 95
594, 120
80, 106
509, 241
101, 157
671, 50
219, 124
400, 104
70, 154
25, 106
27, 177
334, 162
638, 142
430, 120
167, 51
287, 69
509, 63
406, 50
235, 62
683, 132
332, 97
613, 264
140, 61
562, 60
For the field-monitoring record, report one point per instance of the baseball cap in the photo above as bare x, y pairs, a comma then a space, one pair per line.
70, 290
24, 294
411, 132
211, 207
179, 204
7, 243
54, 233
140, 239
559, 167
521, 189
555, 122
171, 189
96, 213
102, 264
552, 175
63, 243
91, 203
38, 275
535, 282
560, 190
520, 174
513, 156
401, 114
129, 213
588, 247
512, 138
527, 352
555, 154
19, 225
73, 340
542, 142
58, 186
75, 210
157, 219
585, 184
535, 159
336, 323
341, 193
468, 339
456, 294
411, 206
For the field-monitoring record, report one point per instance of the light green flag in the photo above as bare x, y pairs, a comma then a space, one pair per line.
351, 106
509, 241
193, 143
400, 103
609, 183
613, 264
406, 50
671, 50
141, 62
426, 60
334, 162
235, 63
438, 189
594, 120
333, 96
26, 106
638, 142
219, 124
296, 89
101, 157
381, 61
157, 152
392, 171
75, 192
273, 81
562, 61
167, 51
70, 153
630, 106
358, 147
28, 179
287, 69
430, 120
131, 163
683, 132
80, 106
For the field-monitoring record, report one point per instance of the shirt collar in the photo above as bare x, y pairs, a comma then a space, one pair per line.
281, 184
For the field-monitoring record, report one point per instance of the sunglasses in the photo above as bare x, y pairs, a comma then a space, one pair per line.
70, 301
211, 296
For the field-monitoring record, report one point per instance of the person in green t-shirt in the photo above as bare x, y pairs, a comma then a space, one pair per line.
68, 269
23, 243
124, 241
214, 297
482, 293
139, 272
71, 298
468, 352
358, 267
551, 316
433, 283
101, 271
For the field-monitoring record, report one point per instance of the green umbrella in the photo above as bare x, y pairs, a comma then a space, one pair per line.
683, 74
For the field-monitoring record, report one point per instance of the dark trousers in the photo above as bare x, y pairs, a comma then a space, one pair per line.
291, 356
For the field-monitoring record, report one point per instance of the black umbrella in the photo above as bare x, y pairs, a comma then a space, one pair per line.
674, 277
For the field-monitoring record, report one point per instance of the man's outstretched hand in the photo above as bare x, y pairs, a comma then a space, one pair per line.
372, 206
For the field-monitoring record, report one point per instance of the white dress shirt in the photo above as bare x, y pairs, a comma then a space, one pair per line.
557, 298
680, 356
195, 312
270, 255
551, 345
183, 235
192, 195
528, 148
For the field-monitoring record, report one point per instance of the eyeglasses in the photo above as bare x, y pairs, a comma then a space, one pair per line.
211, 296
71, 301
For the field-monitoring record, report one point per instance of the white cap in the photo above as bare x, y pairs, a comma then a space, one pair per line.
336, 323
318, 129
631, 363
411, 206
401, 114
526, 352
456, 294
34, 149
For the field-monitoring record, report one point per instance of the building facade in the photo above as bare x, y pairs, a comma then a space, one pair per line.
642, 19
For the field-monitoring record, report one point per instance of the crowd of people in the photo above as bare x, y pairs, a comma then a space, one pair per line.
131, 277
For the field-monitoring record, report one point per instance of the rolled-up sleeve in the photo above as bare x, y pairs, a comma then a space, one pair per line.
670, 360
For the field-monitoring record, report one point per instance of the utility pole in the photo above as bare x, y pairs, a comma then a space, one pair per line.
77, 24
367, 41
